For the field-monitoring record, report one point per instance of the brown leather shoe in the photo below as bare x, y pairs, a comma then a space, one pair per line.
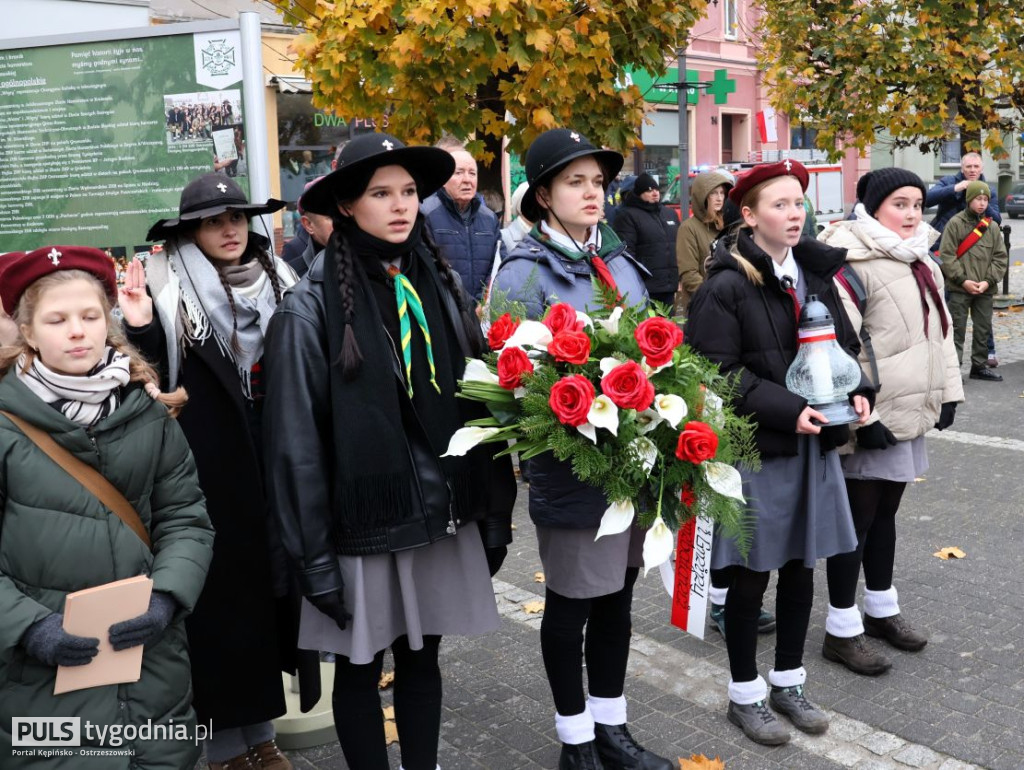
267, 756
896, 631
855, 654
241, 762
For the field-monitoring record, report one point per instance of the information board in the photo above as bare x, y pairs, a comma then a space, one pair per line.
97, 139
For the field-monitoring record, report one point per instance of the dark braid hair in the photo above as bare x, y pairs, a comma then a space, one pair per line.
267, 263
350, 357
235, 345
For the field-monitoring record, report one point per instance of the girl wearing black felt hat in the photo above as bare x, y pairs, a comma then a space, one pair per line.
589, 583
393, 544
744, 317
199, 310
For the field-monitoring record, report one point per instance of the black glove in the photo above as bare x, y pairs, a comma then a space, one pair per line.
47, 641
332, 604
146, 627
833, 437
495, 558
947, 415
875, 436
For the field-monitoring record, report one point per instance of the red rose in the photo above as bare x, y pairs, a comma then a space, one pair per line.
658, 337
628, 387
501, 330
571, 398
513, 363
562, 317
686, 496
698, 442
570, 347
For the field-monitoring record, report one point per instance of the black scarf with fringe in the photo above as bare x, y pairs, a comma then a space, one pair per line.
373, 417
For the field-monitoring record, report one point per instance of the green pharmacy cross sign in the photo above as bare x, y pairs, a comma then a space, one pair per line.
663, 90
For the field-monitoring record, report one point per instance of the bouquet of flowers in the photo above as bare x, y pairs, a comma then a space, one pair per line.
636, 412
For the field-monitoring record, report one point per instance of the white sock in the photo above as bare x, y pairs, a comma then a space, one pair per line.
607, 711
881, 604
575, 729
844, 623
789, 678
745, 693
717, 595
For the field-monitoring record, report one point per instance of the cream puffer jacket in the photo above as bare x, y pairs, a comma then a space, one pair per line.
917, 373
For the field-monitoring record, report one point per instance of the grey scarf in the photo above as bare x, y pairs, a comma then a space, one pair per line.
84, 399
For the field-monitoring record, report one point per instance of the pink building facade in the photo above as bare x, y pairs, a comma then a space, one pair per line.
730, 119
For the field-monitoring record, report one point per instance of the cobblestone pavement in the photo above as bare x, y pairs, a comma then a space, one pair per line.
957, 704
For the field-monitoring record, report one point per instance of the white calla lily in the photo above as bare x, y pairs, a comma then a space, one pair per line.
611, 324
588, 430
604, 414
587, 321
465, 439
477, 371
713, 410
617, 518
724, 479
671, 408
608, 363
658, 545
530, 334
648, 420
645, 451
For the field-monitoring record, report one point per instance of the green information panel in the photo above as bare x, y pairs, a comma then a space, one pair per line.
97, 139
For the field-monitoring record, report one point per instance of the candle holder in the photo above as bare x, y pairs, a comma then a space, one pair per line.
822, 372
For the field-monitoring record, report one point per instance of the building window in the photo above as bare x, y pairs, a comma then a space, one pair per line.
802, 138
732, 18
949, 152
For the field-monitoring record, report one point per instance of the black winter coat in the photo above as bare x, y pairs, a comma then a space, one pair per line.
312, 528
649, 232
238, 642
750, 331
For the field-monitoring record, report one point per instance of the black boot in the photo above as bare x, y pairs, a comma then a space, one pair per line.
580, 756
619, 751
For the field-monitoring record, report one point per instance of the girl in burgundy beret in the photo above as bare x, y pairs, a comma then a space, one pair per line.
744, 317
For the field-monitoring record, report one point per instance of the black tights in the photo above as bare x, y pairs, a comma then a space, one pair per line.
793, 599
357, 711
874, 504
606, 647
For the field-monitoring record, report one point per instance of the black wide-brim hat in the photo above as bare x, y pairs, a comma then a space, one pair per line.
431, 167
554, 150
207, 196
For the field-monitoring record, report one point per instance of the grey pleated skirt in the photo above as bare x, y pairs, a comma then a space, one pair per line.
440, 589
578, 567
903, 462
799, 508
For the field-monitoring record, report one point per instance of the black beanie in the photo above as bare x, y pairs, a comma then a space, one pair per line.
644, 183
875, 186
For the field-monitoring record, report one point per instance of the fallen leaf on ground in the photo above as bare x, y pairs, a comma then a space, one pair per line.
389, 712
700, 762
919, 479
390, 732
1016, 308
386, 680
950, 553
538, 577
1017, 263
513, 527
532, 608
1001, 314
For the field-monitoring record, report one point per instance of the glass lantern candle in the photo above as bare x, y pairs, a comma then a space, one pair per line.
823, 372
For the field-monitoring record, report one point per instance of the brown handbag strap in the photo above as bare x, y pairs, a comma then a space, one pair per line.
85, 475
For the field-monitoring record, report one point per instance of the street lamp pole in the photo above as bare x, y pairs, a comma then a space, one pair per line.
684, 133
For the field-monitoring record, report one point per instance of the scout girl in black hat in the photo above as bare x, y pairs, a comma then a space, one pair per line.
744, 317
211, 293
393, 545
589, 583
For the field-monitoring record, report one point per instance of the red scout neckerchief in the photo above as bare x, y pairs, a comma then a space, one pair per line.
973, 236
604, 275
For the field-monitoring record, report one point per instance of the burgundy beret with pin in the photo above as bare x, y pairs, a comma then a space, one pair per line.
19, 271
762, 173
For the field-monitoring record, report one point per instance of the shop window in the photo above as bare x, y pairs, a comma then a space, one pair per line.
307, 139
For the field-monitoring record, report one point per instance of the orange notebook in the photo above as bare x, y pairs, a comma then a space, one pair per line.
91, 612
